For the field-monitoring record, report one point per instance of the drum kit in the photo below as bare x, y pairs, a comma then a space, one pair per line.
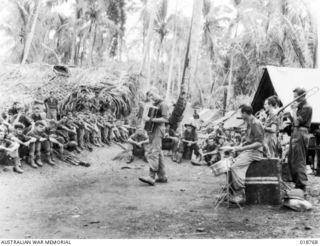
223, 168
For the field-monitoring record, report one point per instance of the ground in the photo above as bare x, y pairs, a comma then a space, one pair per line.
106, 200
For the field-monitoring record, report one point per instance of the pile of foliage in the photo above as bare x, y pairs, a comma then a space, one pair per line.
109, 87
120, 97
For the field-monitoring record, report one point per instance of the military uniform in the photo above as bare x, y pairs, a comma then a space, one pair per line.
298, 145
154, 153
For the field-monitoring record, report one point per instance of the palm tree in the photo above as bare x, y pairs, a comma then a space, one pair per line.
161, 23
177, 113
32, 32
173, 51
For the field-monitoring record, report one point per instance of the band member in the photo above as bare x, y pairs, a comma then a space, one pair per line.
301, 119
271, 128
250, 151
154, 153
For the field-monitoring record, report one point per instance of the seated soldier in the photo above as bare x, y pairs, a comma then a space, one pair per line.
189, 142
102, 129
58, 137
27, 144
42, 141
13, 110
137, 143
22, 118
68, 132
37, 114
9, 151
80, 130
210, 152
250, 151
170, 141
95, 135
87, 131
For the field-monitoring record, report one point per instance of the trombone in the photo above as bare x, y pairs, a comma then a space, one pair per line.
308, 93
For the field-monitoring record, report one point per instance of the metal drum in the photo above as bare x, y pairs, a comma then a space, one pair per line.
221, 167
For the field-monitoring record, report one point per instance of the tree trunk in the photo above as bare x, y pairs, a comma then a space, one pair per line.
172, 56
149, 34
92, 43
31, 33
229, 81
177, 113
156, 78
212, 81
313, 7
195, 44
149, 72
179, 76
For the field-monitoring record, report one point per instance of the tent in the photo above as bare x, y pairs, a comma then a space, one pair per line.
281, 81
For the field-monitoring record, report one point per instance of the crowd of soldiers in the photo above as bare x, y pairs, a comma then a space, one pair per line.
185, 144
36, 134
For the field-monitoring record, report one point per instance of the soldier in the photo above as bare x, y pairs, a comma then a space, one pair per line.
301, 120
189, 141
37, 114
42, 140
250, 151
137, 143
171, 141
154, 149
9, 151
51, 104
27, 144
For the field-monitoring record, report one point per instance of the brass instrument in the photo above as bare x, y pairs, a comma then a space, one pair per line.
308, 94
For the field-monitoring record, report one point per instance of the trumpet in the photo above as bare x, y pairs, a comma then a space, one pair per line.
308, 93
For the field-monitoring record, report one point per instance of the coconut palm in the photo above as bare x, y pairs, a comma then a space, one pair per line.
161, 27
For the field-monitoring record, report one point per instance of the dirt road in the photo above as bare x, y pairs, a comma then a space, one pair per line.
105, 201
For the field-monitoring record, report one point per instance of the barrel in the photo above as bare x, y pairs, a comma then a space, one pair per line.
263, 182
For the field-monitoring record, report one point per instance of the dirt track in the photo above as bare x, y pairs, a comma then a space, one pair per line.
105, 201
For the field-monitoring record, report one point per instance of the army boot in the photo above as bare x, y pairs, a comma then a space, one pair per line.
38, 161
31, 162
17, 166
49, 160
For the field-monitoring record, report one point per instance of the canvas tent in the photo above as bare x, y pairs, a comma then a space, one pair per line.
281, 81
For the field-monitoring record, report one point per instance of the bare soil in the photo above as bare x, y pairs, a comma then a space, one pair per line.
106, 201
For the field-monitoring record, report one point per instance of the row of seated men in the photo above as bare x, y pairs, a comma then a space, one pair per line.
28, 136
182, 147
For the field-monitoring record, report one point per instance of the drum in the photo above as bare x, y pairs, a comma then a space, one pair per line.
221, 167
152, 113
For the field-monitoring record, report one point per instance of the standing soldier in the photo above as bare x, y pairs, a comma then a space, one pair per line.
154, 153
51, 104
301, 119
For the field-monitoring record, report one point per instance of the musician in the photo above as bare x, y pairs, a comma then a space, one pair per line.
249, 151
271, 128
301, 120
154, 153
